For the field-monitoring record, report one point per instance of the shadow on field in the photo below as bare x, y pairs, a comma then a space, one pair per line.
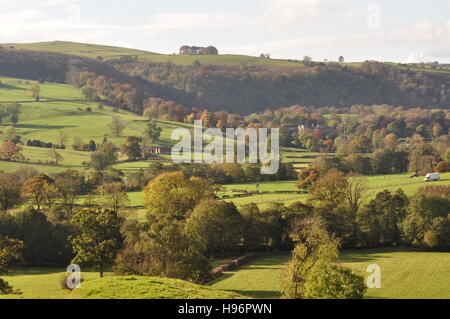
11, 87
259, 294
369, 255
45, 127
35, 271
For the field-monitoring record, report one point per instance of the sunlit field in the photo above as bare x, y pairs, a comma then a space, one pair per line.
405, 274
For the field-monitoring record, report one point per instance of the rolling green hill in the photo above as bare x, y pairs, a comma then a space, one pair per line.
110, 52
45, 283
62, 110
84, 49
135, 287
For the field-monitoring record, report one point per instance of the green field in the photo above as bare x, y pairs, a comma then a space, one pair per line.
46, 119
405, 274
41, 283
37, 283
259, 279
62, 110
375, 185
135, 287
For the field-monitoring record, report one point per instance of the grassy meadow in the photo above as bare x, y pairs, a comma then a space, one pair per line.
61, 109
405, 273
37, 283
375, 184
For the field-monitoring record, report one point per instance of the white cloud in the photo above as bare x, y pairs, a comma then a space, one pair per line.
57, 2
33, 25
418, 36
282, 15
196, 21
34, 3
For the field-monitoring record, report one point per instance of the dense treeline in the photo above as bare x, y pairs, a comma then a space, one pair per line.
252, 89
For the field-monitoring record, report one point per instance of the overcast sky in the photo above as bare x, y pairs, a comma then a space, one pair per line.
385, 30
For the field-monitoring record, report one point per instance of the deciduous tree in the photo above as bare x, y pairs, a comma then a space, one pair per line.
99, 239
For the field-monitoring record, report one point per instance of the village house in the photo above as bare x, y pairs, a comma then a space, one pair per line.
188, 50
155, 151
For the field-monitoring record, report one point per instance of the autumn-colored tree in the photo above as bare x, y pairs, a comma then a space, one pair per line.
39, 188
437, 130
423, 158
390, 141
69, 186
360, 144
10, 152
337, 198
172, 195
442, 167
307, 177
208, 119
332, 189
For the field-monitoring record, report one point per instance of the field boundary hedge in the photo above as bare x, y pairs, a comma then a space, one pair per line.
218, 271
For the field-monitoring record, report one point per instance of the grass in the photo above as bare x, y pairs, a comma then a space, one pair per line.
405, 274
265, 200
44, 283
134, 287
375, 185
261, 278
41, 283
